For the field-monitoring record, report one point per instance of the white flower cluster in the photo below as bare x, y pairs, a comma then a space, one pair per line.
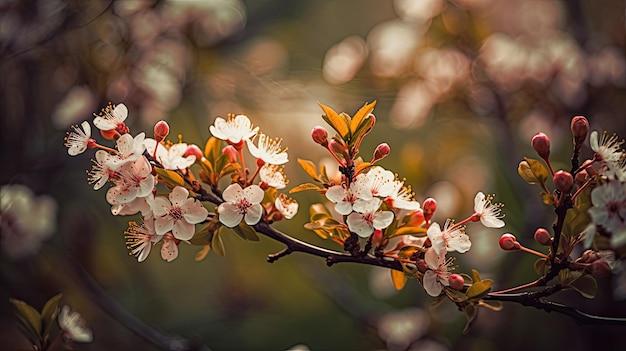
130, 173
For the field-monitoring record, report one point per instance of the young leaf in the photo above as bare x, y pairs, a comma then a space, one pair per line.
337, 122
309, 168
586, 285
246, 232
49, 313
540, 266
361, 115
479, 288
201, 255
305, 186
170, 176
399, 279
29, 314
532, 171
217, 244
213, 149
415, 231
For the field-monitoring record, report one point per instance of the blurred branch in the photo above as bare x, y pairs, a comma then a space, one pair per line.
120, 314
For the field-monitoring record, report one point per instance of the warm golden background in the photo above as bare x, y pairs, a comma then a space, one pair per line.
461, 86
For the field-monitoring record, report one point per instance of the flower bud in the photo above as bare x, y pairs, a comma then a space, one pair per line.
580, 128
600, 268
581, 177
456, 281
416, 218
231, 152
320, 136
541, 144
109, 134
429, 206
381, 152
161, 130
508, 242
542, 236
338, 148
563, 181
193, 150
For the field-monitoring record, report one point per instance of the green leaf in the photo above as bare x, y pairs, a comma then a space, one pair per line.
170, 176
29, 314
415, 231
576, 221
305, 186
201, 255
471, 311
213, 149
49, 313
246, 232
202, 236
491, 305
361, 167
540, 266
479, 288
335, 120
309, 168
547, 198
585, 284
532, 171
217, 244
361, 115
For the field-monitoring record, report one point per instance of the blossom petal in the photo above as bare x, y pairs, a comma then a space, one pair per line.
431, 284
229, 214
253, 216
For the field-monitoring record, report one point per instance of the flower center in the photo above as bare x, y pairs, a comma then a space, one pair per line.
176, 213
243, 205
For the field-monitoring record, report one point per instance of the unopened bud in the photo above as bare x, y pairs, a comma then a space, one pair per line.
429, 206
416, 218
161, 130
541, 144
580, 128
377, 237
600, 268
338, 148
109, 134
381, 152
542, 236
231, 152
508, 242
456, 281
581, 177
193, 150
320, 136
563, 181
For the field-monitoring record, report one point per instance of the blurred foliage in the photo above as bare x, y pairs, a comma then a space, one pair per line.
460, 85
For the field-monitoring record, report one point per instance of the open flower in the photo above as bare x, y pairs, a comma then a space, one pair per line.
401, 197
140, 237
342, 197
129, 149
450, 239
241, 204
134, 180
79, 140
609, 210
111, 117
436, 277
606, 147
172, 158
367, 217
268, 150
377, 182
169, 250
73, 326
273, 176
179, 214
234, 129
488, 213
287, 206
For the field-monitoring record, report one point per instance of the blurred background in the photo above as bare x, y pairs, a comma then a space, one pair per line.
461, 86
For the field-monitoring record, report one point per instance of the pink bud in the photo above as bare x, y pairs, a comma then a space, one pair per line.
338, 148
579, 127
456, 281
381, 152
320, 136
563, 181
542, 236
109, 134
416, 218
581, 177
541, 144
193, 150
377, 237
429, 206
508, 242
231, 152
161, 130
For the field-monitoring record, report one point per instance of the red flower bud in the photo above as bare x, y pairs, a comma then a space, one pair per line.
109, 134
381, 152
231, 152
429, 206
338, 148
320, 136
563, 181
508, 242
542, 236
580, 128
161, 130
456, 281
541, 144
416, 218
194, 150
